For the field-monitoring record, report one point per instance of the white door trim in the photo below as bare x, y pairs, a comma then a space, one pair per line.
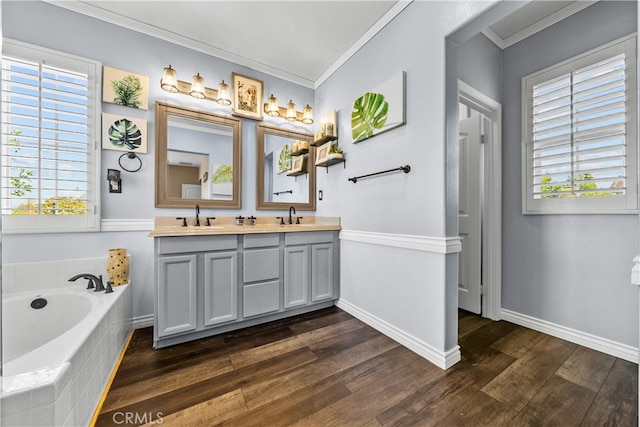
492, 218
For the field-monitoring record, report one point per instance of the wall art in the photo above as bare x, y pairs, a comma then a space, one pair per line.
222, 180
124, 133
284, 159
125, 88
247, 96
379, 110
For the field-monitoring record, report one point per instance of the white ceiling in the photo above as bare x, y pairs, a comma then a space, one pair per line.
299, 41
302, 41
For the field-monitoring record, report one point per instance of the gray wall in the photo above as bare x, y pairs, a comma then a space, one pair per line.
117, 47
479, 64
411, 289
571, 270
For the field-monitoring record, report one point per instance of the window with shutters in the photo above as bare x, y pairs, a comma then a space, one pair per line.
580, 134
50, 129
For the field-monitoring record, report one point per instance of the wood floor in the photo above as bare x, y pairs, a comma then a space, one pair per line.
329, 369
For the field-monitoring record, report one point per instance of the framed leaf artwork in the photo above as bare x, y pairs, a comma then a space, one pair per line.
379, 110
284, 159
124, 133
125, 88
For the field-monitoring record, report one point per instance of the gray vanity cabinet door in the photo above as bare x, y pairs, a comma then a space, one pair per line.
177, 278
296, 276
322, 271
220, 287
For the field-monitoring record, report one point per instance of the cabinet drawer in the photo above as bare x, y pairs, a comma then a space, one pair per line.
261, 264
261, 298
308, 237
174, 245
261, 240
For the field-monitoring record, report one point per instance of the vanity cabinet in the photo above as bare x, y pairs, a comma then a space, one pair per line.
210, 284
176, 298
309, 272
261, 274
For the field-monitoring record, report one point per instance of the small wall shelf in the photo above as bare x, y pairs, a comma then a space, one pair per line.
300, 152
297, 173
333, 161
319, 142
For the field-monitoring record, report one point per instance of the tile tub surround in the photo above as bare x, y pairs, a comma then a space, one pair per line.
67, 395
34, 276
166, 226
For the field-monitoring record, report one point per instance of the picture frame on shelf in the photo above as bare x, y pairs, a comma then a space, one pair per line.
298, 164
247, 96
322, 153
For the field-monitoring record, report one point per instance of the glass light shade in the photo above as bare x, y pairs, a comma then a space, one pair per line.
307, 115
272, 107
291, 111
169, 81
197, 87
223, 94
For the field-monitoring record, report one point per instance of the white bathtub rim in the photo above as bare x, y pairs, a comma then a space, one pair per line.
24, 371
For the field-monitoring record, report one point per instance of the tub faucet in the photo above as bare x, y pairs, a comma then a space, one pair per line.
93, 281
294, 211
197, 223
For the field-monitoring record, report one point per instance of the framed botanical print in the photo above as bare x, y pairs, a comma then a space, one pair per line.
247, 96
125, 88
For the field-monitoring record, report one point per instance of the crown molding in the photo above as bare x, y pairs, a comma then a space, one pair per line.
388, 17
159, 33
542, 24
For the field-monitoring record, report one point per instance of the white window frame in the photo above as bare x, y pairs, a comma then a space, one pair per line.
13, 224
618, 204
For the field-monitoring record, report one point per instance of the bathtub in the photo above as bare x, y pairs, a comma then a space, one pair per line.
57, 359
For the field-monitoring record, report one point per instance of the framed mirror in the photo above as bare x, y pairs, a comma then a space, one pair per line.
286, 172
198, 158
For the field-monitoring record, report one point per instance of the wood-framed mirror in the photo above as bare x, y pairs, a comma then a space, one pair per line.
198, 158
281, 181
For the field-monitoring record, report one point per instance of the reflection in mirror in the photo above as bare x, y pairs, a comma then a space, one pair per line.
198, 158
285, 177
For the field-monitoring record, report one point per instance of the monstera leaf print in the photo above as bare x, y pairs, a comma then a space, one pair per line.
125, 134
284, 160
369, 113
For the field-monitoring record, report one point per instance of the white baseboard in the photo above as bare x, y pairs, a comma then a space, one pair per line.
604, 345
142, 321
443, 360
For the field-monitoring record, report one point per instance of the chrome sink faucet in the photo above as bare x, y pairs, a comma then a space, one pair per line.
197, 223
294, 211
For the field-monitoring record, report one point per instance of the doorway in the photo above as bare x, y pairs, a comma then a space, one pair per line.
480, 202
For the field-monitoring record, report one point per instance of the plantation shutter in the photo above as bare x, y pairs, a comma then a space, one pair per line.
44, 139
579, 132
50, 157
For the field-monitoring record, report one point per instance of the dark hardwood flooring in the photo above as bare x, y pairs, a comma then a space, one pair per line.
329, 369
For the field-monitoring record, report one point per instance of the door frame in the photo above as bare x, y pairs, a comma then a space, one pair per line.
492, 211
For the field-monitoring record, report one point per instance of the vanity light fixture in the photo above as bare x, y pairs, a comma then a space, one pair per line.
291, 111
272, 109
197, 89
169, 80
